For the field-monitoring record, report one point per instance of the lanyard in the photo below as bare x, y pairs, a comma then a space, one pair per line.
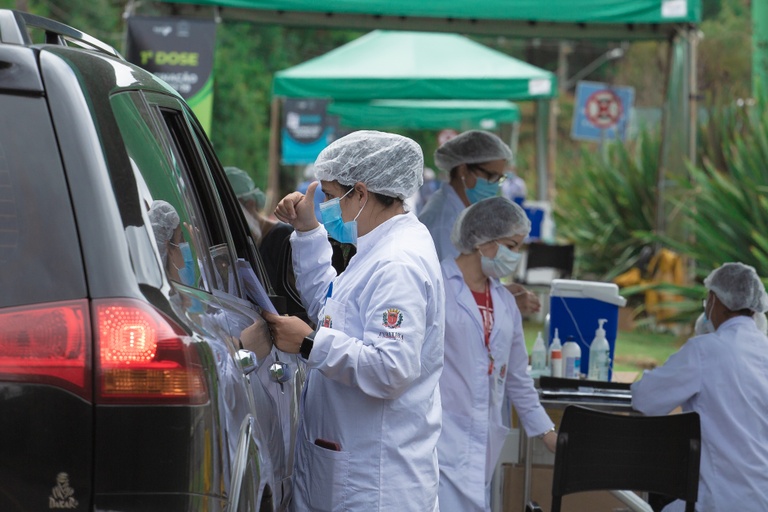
487, 323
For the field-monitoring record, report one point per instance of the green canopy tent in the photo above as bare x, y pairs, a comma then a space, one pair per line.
460, 115
425, 114
390, 65
556, 19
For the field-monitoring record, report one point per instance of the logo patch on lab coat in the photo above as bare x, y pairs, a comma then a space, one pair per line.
327, 321
392, 318
503, 372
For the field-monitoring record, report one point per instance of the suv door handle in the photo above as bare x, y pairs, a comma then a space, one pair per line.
247, 360
280, 372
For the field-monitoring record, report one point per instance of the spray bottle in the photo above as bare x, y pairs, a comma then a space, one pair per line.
599, 354
571, 359
556, 356
538, 357
554, 345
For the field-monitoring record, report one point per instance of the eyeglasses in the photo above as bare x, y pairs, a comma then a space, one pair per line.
491, 176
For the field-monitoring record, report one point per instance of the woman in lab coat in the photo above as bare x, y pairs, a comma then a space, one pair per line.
485, 355
371, 410
477, 162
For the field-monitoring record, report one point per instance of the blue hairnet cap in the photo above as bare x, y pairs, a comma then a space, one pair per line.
471, 147
388, 164
244, 187
738, 286
486, 220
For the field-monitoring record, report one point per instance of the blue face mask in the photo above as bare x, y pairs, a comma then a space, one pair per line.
330, 213
186, 273
483, 190
504, 263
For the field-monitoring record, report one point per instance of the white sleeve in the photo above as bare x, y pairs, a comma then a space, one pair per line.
393, 304
671, 384
519, 385
311, 255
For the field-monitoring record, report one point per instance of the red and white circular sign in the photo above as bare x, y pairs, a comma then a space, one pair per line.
603, 109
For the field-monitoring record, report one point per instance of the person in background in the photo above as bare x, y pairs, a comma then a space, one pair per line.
485, 355
513, 188
371, 403
477, 161
723, 376
174, 249
272, 239
309, 177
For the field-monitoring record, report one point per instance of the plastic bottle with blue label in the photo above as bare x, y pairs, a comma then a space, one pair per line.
571, 359
599, 354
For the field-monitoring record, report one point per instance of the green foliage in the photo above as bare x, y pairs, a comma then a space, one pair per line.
604, 202
725, 206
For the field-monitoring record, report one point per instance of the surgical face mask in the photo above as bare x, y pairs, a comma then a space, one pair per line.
483, 190
187, 272
330, 213
504, 263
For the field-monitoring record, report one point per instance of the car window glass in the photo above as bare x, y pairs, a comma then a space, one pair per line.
177, 223
39, 246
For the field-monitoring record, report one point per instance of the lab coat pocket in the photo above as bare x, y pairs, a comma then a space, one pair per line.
497, 434
333, 315
453, 446
329, 473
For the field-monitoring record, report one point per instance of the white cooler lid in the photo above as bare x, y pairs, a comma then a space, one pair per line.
606, 292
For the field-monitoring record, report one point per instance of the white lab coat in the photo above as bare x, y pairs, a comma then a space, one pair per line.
439, 215
473, 431
372, 384
724, 377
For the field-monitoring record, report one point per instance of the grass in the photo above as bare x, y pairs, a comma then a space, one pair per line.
636, 350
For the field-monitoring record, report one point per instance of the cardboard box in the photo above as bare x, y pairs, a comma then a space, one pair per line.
541, 492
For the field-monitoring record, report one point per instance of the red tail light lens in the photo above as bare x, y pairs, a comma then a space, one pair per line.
47, 344
144, 357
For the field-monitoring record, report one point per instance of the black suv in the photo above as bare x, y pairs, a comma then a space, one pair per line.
126, 268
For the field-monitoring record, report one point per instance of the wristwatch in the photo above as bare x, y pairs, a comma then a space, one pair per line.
307, 344
541, 436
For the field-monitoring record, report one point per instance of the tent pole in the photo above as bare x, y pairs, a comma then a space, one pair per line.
660, 226
273, 171
693, 93
542, 120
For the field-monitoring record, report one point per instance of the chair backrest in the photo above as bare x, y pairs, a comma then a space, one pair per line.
540, 255
603, 451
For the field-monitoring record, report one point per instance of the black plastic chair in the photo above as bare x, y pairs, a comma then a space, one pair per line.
554, 256
603, 451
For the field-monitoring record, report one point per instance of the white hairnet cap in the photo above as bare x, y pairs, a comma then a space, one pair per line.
164, 221
472, 147
387, 163
738, 286
486, 220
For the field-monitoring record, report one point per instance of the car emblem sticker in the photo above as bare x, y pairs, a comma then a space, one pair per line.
62, 495
392, 318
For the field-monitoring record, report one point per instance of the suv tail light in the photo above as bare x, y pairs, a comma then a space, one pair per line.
143, 357
47, 344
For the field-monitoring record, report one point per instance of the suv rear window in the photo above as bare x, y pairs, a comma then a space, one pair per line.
39, 248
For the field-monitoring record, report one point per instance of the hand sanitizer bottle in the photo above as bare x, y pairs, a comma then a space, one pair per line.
599, 354
538, 357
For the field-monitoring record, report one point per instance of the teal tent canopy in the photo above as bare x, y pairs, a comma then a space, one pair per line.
415, 65
425, 114
556, 19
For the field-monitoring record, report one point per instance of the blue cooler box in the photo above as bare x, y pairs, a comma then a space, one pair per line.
574, 309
